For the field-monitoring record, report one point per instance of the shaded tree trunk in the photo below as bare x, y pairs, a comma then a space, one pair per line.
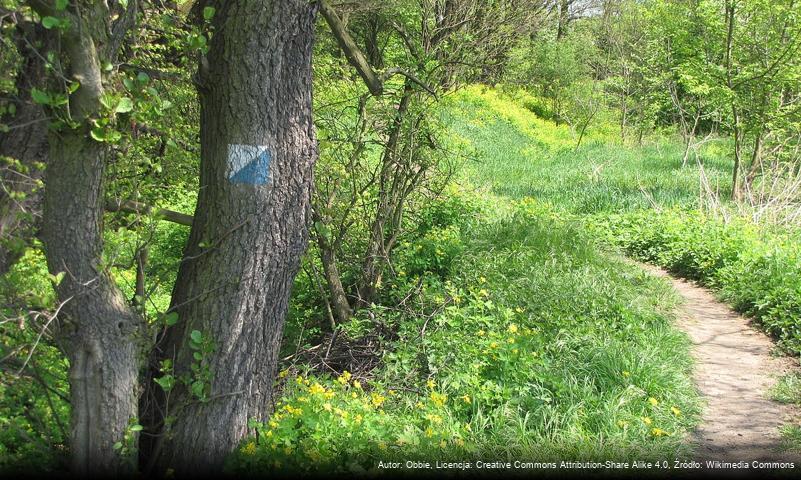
26, 143
99, 332
336, 292
250, 228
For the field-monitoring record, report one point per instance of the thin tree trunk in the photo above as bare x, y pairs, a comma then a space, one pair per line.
735, 181
376, 251
250, 226
336, 291
688, 141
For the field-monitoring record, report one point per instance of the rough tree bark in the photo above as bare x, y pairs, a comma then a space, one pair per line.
99, 332
250, 229
27, 144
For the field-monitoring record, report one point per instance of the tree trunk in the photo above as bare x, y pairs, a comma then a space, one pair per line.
336, 291
98, 330
250, 228
26, 143
376, 248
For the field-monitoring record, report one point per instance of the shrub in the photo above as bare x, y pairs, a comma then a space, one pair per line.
757, 271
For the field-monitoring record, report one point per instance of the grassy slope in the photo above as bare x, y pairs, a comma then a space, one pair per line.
545, 347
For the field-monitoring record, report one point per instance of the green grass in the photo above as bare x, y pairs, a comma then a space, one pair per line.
520, 155
530, 341
787, 389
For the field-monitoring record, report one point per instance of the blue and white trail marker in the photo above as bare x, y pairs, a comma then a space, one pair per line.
248, 164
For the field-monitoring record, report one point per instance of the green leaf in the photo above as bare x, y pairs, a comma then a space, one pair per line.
196, 336
171, 319
98, 134
137, 428
166, 382
125, 105
40, 97
61, 5
143, 78
50, 22
208, 13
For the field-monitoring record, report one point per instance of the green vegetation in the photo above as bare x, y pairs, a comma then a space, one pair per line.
536, 346
291, 235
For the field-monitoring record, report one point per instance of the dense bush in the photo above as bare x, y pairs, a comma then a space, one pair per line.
757, 270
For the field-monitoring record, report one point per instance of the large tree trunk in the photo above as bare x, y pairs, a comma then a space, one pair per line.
100, 334
250, 228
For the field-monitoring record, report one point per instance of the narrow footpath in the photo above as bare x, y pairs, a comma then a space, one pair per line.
734, 371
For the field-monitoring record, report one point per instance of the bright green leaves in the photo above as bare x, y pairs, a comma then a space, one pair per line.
197, 41
51, 23
167, 380
199, 381
208, 13
102, 132
61, 5
125, 105
51, 99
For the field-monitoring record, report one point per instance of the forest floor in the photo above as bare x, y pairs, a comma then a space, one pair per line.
736, 366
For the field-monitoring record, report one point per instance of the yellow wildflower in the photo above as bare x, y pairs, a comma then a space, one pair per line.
249, 449
646, 420
344, 378
438, 399
283, 373
626, 373
328, 407
481, 333
431, 383
316, 389
442, 444
658, 432
466, 398
512, 328
675, 411
653, 401
377, 399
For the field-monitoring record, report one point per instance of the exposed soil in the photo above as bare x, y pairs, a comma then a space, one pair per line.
734, 371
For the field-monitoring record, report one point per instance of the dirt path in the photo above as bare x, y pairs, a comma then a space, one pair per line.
734, 370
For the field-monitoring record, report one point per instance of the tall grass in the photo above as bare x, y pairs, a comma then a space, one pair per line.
521, 155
